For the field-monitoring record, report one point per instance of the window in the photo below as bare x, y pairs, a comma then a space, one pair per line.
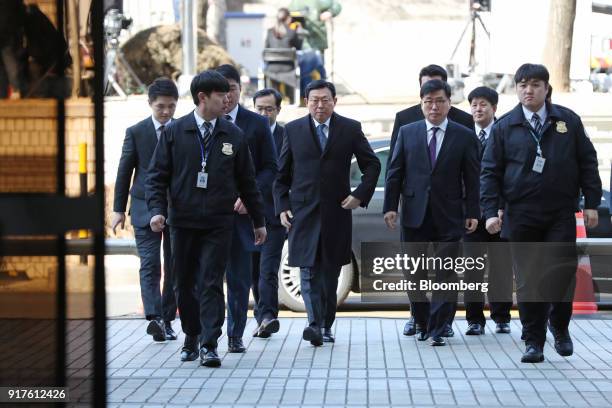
383, 156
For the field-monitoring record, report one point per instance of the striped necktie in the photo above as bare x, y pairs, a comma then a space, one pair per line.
482, 136
206, 134
537, 124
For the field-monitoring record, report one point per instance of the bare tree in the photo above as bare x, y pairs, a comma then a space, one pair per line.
215, 21
558, 48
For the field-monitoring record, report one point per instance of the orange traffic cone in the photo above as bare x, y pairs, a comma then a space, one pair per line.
584, 294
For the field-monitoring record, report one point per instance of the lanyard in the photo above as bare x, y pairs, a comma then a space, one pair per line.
537, 140
205, 152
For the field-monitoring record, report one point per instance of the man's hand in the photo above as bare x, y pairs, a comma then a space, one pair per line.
390, 218
350, 203
285, 216
260, 235
157, 223
591, 218
326, 15
118, 218
493, 225
471, 224
239, 207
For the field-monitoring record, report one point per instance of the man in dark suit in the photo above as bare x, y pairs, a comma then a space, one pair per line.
203, 163
434, 168
415, 113
483, 102
240, 267
138, 146
537, 160
266, 263
313, 197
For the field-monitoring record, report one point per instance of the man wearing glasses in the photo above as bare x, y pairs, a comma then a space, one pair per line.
267, 103
435, 169
313, 197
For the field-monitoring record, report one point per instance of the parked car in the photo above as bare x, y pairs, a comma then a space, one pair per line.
368, 226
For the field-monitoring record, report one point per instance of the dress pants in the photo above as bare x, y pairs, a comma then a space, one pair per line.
156, 304
319, 284
545, 274
499, 280
239, 279
201, 257
265, 274
440, 312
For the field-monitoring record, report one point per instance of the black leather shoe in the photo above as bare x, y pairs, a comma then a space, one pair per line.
475, 329
313, 335
268, 327
209, 357
502, 328
438, 341
189, 352
157, 330
410, 327
235, 345
563, 342
169, 332
328, 336
448, 331
422, 334
533, 354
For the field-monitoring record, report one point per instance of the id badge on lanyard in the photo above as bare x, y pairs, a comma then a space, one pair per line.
540, 161
202, 178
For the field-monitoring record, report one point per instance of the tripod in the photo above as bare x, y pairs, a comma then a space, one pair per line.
115, 55
474, 16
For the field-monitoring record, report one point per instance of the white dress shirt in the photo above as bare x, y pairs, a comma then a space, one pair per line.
439, 134
157, 126
200, 122
486, 129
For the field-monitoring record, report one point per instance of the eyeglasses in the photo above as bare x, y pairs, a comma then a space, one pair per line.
437, 102
316, 101
267, 109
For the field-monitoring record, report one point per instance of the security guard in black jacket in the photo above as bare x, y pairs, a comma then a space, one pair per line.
203, 161
539, 158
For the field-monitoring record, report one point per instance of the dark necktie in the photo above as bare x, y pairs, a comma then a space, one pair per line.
206, 134
161, 130
228, 117
321, 135
537, 124
482, 137
432, 146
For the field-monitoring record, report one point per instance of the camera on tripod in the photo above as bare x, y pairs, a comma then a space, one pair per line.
114, 22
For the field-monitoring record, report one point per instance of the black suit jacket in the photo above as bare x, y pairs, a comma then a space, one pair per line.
450, 188
256, 128
138, 146
313, 183
415, 113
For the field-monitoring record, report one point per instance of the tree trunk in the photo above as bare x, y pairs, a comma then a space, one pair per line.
215, 21
558, 48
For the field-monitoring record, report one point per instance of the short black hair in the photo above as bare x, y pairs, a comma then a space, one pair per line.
162, 86
433, 70
278, 98
320, 84
486, 93
531, 71
549, 93
208, 81
434, 85
229, 72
